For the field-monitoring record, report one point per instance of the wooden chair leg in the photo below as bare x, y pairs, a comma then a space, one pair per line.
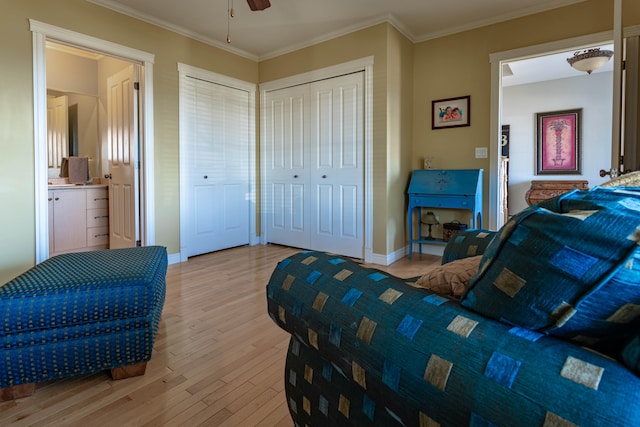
128, 371
17, 391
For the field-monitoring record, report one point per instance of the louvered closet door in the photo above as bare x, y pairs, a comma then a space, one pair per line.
217, 140
287, 179
314, 166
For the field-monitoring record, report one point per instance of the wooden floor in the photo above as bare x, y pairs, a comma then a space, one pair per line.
218, 359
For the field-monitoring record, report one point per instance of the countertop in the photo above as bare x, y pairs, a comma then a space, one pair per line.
74, 186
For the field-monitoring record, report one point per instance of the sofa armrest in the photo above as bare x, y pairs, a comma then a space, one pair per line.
424, 357
467, 243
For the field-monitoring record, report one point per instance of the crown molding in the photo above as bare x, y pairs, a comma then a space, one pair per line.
390, 19
539, 8
117, 7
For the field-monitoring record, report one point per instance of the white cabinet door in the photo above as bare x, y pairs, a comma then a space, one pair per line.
314, 165
69, 220
287, 188
216, 138
50, 214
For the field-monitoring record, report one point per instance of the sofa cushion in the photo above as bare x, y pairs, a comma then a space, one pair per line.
366, 347
631, 354
452, 278
467, 243
569, 266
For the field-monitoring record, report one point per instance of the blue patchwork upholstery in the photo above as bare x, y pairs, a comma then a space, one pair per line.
631, 354
467, 243
82, 312
569, 266
368, 348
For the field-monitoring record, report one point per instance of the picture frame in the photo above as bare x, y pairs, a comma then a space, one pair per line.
451, 112
558, 142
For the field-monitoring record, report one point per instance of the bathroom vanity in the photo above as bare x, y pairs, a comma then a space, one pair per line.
78, 217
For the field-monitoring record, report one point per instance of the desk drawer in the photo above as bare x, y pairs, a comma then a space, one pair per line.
452, 202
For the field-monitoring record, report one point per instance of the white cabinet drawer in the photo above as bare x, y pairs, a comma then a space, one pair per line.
97, 217
97, 236
98, 199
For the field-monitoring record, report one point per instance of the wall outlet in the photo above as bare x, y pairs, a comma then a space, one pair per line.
428, 162
482, 152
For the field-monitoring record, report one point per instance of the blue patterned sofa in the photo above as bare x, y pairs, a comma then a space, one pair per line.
368, 348
80, 313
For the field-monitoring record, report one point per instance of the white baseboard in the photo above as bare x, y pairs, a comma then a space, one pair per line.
389, 259
372, 258
174, 258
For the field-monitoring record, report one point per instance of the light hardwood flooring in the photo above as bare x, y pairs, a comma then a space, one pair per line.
218, 358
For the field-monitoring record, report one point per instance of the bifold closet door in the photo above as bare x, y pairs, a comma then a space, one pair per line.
287, 181
314, 166
217, 140
336, 166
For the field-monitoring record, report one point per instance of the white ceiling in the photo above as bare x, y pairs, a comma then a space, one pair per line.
292, 24
548, 67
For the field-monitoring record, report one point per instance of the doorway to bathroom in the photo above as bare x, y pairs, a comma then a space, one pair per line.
125, 136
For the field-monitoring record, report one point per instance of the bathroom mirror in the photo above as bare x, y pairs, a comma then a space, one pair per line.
73, 105
72, 123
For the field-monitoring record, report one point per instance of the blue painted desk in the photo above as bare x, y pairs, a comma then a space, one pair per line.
444, 189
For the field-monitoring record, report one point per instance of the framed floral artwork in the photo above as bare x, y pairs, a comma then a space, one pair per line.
558, 142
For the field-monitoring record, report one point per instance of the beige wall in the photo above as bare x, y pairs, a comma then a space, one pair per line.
406, 78
459, 65
399, 141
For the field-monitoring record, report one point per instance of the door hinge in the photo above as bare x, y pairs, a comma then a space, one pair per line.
136, 85
138, 243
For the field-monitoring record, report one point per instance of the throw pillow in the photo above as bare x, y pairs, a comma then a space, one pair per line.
631, 179
452, 278
568, 266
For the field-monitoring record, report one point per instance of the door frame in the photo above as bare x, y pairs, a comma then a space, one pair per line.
496, 217
365, 65
41, 33
186, 71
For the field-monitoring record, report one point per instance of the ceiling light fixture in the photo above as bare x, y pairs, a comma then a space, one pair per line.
589, 59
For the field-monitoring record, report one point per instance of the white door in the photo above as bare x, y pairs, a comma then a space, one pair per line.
216, 138
314, 166
286, 138
123, 154
336, 169
57, 130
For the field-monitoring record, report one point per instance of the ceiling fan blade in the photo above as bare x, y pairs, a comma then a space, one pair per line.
259, 4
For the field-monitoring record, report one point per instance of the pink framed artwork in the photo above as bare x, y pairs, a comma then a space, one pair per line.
558, 142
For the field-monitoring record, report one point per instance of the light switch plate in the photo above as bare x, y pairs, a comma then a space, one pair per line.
482, 152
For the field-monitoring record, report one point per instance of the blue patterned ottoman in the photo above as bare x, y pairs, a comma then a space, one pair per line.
80, 313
